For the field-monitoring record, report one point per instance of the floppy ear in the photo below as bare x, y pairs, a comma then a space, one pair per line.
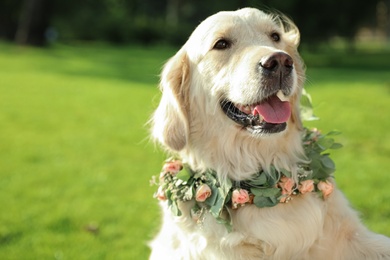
170, 120
289, 28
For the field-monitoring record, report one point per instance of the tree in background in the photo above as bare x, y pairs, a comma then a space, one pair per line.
34, 20
171, 21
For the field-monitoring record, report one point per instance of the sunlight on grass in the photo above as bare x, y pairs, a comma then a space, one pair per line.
76, 161
359, 109
74, 153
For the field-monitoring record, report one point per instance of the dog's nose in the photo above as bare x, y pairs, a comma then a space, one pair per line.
277, 62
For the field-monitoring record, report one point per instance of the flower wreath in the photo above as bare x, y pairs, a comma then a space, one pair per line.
177, 182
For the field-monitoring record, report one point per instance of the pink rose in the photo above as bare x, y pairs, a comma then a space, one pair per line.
326, 187
306, 186
202, 193
160, 194
287, 185
173, 167
286, 196
239, 196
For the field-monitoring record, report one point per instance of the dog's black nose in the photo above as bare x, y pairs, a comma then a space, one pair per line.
277, 62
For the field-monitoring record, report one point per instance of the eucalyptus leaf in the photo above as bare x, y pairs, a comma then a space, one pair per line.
306, 107
267, 192
260, 180
262, 187
272, 171
262, 202
325, 143
175, 209
183, 175
286, 173
315, 164
218, 206
271, 181
323, 173
214, 195
226, 222
336, 146
227, 185
169, 195
275, 200
327, 162
315, 161
333, 132
188, 194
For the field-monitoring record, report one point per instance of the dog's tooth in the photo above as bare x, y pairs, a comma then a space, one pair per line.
281, 96
247, 109
243, 108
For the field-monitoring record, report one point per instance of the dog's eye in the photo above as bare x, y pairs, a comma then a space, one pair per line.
275, 37
221, 44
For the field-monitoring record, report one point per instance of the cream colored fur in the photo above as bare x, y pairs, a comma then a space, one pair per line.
190, 123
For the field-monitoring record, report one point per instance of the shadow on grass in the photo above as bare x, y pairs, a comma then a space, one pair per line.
370, 60
128, 63
143, 64
9, 238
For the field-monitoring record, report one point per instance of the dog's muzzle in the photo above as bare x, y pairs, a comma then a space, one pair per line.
269, 115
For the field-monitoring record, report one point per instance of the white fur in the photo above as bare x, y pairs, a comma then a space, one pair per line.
190, 123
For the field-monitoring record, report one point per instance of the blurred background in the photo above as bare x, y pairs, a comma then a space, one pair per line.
39, 22
78, 83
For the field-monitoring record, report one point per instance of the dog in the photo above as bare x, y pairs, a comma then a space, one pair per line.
229, 114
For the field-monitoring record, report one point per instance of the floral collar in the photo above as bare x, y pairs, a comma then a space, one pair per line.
178, 182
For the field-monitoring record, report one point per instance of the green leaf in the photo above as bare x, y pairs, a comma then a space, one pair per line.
218, 206
226, 186
327, 162
274, 199
214, 195
260, 180
325, 143
336, 146
262, 202
272, 170
306, 107
225, 219
188, 194
175, 209
333, 132
315, 161
184, 176
268, 192
169, 194
286, 173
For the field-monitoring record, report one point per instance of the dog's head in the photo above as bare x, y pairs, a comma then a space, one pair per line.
238, 77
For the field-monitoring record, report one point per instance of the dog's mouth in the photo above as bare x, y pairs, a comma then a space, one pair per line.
266, 117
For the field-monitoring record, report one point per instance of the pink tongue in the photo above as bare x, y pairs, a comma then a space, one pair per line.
273, 110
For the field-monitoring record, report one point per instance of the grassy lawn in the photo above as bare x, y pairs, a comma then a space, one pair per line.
76, 160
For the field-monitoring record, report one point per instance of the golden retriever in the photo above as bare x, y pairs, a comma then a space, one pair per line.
230, 106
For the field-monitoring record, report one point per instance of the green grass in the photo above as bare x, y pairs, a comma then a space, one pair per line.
76, 161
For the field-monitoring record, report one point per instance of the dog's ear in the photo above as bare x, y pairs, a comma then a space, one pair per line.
291, 31
293, 34
170, 120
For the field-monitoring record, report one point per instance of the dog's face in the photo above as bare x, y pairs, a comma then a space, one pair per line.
238, 76
247, 61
